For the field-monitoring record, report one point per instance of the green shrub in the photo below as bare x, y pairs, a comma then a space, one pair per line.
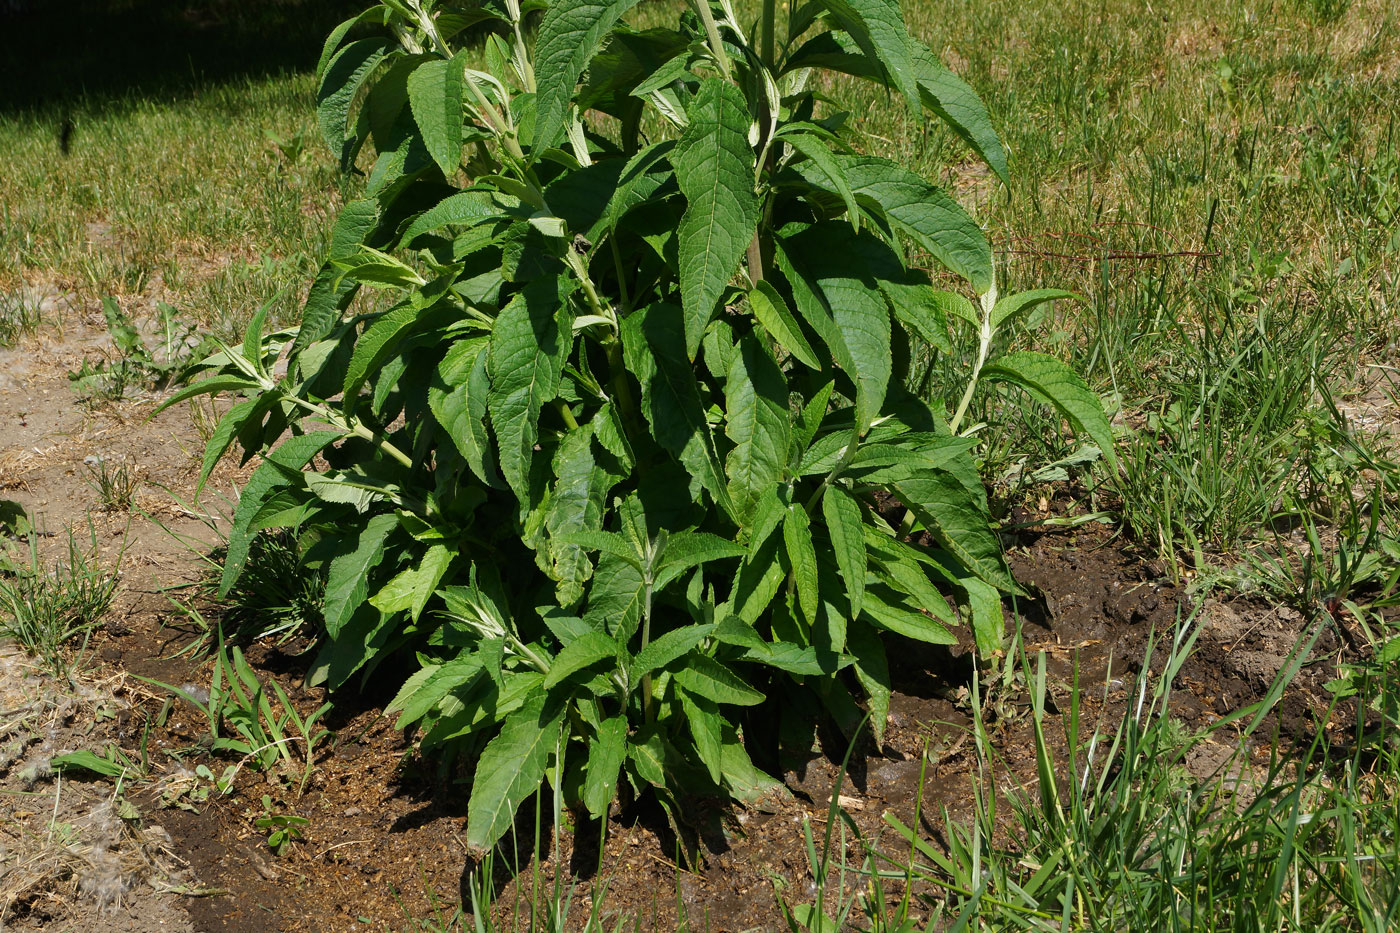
615, 467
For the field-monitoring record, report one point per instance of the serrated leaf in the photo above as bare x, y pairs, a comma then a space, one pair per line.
834, 274
817, 151
571, 33
1053, 383
425, 689
642, 177
706, 677
577, 503
413, 586
756, 401
606, 752
463, 209
773, 313
653, 340
588, 649
843, 524
609, 542
1010, 305
872, 670
347, 575
958, 522
687, 549
877, 26
342, 79
988, 623
457, 398
291, 455
705, 728
669, 647
511, 768
886, 610
958, 105
529, 344
435, 97
802, 557
615, 597
714, 169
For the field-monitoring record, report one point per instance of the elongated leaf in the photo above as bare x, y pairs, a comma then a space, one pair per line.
615, 597
412, 587
885, 610
345, 73
687, 549
588, 649
435, 97
773, 313
1053, 383
817, 150
673, 645
580, 487
756, 399
642, 177
834, 274
292, 454
457, 398
958, 522
705, 727
653, 340
374, 346
714, 168
424, 690
463, 209
706, 677
529, 345
797, 539
877, 26
347, 576
511, 768
571, 33
873, 672
988, 623
958, 105
1010, 305
606, 752
848, 541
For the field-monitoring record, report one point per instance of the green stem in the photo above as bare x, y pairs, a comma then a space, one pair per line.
562, 407
765, 34
648, 702
707, 17
355, 428
983, 348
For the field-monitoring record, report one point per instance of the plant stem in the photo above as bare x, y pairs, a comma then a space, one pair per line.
984, 347
765, 32
355, 428
648, 703
707, 17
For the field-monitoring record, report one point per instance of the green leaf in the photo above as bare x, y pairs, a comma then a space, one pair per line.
988, 623
584, 651
653, 340
843, 523
376, 345
644, 175
873, 672
426, 688
834, 274
529, 344
347, 575
457, 398
705, 727
958, 522
1011, 305
292, 454
87, 760
877, 26
577, 503
342, 79
756, 399
817, 151
615, 597
887, 611
606, 752
609, 542
511, 768
958, 105
414, 586
706, 677
435, 97
802, 556
714, 168
773, 313
667, 648
571, 33
1053, 383
687, 549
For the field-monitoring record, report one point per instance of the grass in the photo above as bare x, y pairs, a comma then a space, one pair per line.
48, 608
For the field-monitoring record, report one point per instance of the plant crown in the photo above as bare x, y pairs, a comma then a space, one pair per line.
614, 468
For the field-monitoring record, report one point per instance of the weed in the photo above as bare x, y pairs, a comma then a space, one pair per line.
168, 362
20, 316
46, 609
115, 485
282, 828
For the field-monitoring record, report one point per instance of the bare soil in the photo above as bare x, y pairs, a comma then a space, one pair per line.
383, 847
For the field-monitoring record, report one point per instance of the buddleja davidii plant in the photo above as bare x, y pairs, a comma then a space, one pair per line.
608, 465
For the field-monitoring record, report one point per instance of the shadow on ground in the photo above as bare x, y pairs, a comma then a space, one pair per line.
89, 54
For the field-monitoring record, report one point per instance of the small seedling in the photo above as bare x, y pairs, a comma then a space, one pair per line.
283, 828
115, 485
